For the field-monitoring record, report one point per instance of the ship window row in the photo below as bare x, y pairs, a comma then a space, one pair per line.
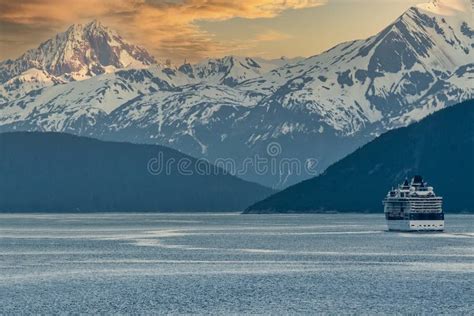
414, 216
410, 207
429, 216
426, 202
425, 208
440, 225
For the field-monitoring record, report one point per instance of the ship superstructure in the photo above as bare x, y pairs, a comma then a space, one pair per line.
414, 206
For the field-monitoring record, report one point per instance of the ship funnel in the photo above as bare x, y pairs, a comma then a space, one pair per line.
417, 180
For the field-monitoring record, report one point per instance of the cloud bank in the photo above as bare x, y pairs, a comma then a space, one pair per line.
168, 28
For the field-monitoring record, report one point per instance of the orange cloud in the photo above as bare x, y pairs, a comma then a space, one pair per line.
167, 28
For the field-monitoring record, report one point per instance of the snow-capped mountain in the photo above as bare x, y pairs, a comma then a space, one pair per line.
402, 73
81, 52
321, 107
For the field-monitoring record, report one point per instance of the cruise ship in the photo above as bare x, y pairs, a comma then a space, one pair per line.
414, 207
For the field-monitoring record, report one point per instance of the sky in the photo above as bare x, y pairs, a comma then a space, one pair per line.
195, 29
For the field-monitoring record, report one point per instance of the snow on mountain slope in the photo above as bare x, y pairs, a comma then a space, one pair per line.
30, 80
322, 107
178, 117
383, 78
97, 96
229, 70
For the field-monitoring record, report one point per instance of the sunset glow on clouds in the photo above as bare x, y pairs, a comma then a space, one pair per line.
168, 28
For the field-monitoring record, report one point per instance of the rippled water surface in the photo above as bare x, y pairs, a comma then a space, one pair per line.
230, 263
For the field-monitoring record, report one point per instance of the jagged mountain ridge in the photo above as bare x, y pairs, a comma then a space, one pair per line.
232, 70
322, 107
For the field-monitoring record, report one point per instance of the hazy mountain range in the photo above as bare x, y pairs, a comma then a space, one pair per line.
440, 148
89, 81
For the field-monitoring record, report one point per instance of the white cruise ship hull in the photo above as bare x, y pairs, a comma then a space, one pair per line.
414, 207
415, 225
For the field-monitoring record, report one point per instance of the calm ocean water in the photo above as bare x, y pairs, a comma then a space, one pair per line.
230, 263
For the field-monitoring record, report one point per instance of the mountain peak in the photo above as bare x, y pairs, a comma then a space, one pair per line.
92, 26
95, 24
81, 52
